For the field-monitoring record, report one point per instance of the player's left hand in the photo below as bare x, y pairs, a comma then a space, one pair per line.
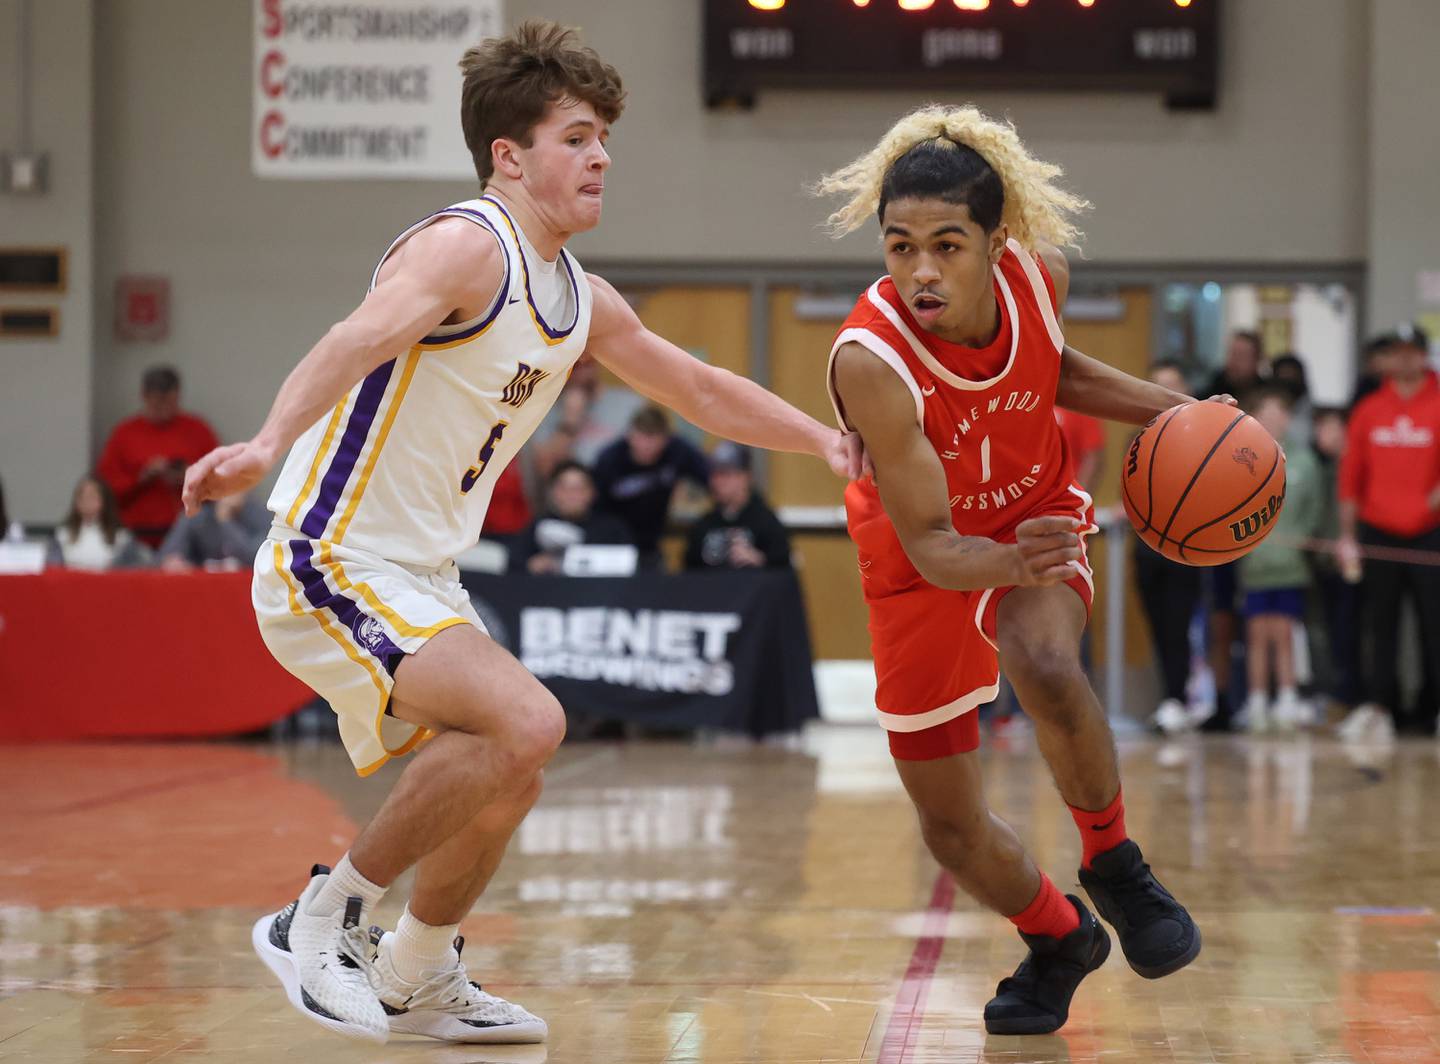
844, 453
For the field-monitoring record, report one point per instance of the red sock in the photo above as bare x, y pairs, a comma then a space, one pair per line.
1049, 914
1103, 830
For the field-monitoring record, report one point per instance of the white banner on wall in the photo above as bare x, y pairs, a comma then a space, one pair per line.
363, 88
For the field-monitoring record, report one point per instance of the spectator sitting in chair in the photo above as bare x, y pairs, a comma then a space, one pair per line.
91, 536
570, 519
224, 536
741, 532
144, 459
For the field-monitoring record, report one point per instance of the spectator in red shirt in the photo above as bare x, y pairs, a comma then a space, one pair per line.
509, 510
144, 459
1390, 498
1085, 438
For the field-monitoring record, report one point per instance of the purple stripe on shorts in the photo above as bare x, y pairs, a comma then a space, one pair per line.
352, 442
368, 631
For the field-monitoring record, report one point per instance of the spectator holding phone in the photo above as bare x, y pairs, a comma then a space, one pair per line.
145, 458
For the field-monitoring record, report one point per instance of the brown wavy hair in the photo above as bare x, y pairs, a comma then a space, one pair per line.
509, 81
109, 511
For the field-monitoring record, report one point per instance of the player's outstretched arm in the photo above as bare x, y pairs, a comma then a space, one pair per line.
1089, 386
447, 266
715, 399
913, 490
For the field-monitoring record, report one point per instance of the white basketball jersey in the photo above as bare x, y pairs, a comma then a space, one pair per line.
405, 465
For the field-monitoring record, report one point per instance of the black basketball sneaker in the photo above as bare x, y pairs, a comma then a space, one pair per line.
1036, 999
1156, 934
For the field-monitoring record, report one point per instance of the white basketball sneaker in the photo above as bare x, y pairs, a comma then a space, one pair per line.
1257, 713
1172, 718
324, 962
1361, 722
1292, 711
446, 1005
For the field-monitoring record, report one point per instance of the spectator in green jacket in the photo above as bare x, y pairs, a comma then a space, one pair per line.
1274, 580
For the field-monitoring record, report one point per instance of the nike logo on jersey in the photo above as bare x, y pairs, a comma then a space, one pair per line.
927, 391
512, 299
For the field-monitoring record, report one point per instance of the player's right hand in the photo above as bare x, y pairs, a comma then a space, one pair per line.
224, 471
1046, 550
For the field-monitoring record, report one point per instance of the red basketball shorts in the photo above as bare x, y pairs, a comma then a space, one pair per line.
935, 650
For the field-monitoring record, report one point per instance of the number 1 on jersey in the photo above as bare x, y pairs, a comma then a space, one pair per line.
985, 460
487, 452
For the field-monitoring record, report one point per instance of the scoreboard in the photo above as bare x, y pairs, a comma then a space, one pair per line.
1169, 47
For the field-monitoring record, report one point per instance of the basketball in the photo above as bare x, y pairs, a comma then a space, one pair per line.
1203, 483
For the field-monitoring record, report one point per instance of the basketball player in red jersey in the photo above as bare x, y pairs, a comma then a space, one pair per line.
971, 532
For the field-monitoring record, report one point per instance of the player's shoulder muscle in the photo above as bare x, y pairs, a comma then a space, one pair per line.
875, 397
454, 256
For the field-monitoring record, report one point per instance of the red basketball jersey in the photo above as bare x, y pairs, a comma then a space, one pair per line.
988, 412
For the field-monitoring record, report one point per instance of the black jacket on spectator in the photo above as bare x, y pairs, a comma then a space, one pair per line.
640, 495
708, 544
551, 535
1221, 384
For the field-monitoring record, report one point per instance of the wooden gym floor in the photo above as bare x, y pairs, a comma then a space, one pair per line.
713, 905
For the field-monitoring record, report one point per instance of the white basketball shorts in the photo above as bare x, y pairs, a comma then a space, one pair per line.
342, 620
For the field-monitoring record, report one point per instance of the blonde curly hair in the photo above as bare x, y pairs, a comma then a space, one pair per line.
1036, 209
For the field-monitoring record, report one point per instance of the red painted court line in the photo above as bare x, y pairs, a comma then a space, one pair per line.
903, 1030
145, 790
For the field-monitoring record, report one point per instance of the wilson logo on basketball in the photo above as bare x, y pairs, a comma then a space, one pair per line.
1247, 457
1251, 524
1132, 460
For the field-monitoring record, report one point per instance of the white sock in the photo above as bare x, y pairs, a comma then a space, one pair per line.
1287, 694
418, 948
345, 882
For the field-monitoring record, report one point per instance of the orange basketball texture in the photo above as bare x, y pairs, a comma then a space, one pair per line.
1203, 483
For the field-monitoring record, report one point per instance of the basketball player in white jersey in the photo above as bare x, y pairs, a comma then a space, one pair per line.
397, 423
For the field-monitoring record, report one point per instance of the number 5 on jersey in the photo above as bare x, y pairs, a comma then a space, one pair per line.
487, 452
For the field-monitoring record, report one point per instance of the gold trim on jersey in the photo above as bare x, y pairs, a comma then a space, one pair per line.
319, 459
426, 345
550, 341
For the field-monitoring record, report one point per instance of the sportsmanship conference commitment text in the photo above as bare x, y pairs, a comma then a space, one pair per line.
357, 23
